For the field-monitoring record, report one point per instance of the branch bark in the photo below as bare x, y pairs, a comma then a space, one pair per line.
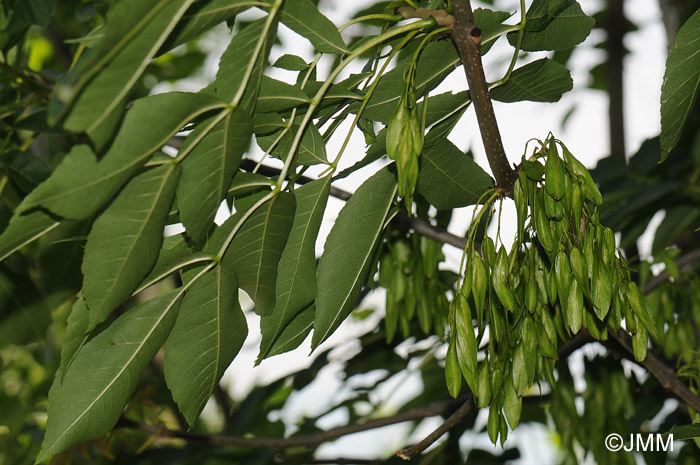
467, 37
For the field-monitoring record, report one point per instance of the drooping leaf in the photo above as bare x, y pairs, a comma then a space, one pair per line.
249, 47
208, 169
346, 257
76, 332
544, 80
681, 83
208, 333
304, 18
278, 96
254, 253
311, 149
437, 60
80, 184
25, 228
554, 25
125, 240
105, 372
449, 178
293, 333
134, 32
202, 16
296, 275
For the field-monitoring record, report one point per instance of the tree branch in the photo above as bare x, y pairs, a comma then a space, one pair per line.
310, 440
467, 36
451, 422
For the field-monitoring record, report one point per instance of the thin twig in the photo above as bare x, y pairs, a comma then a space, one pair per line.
467, 37
451, 422
442, 17
309, 440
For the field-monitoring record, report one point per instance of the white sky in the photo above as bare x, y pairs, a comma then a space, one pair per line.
586, 135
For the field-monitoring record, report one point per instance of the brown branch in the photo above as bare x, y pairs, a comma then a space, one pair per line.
684, 262
615, 29
467, 37
310, 440
442, 17
451, 422
659, 370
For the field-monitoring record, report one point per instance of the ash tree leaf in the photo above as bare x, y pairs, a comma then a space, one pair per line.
278, 96
294, 333
76, 332
202, 16
437, 60
684, 432
86, 401
543, 80
24, 228
448, 178
209, 331
681, 83
169, 261
554, 25
291, 63
255, 251
208, 169
125, 239
81, 184
348, 252
304, 18
311, 149
134, 32
491, 24
238, 57
296, 274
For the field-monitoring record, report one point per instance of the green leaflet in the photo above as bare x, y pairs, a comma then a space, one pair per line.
296, 275
311, 150
208, 169
125, 239
278, 96
169, 261
255, 251
209, 331
491, 24
230, 84
302, 17
204, 15
294, 333
437, 60
80, 184
554, 25
76, 333
544, 80
23, 229
104, 374
448, 178
681, 83
141, 27
346, 257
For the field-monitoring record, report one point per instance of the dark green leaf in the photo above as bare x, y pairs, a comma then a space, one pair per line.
208, 169
491, 24
294, 333
230, 85
134, 32
80, 185
554, 25
296, 276
209, 331
291, 63
255, 251
681, 83
204, 15
76, 332
278, 96
303, 17
25, 228
311, 150
346, 257
685, 432
543, 80
105, 372
449, 178
125, 239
